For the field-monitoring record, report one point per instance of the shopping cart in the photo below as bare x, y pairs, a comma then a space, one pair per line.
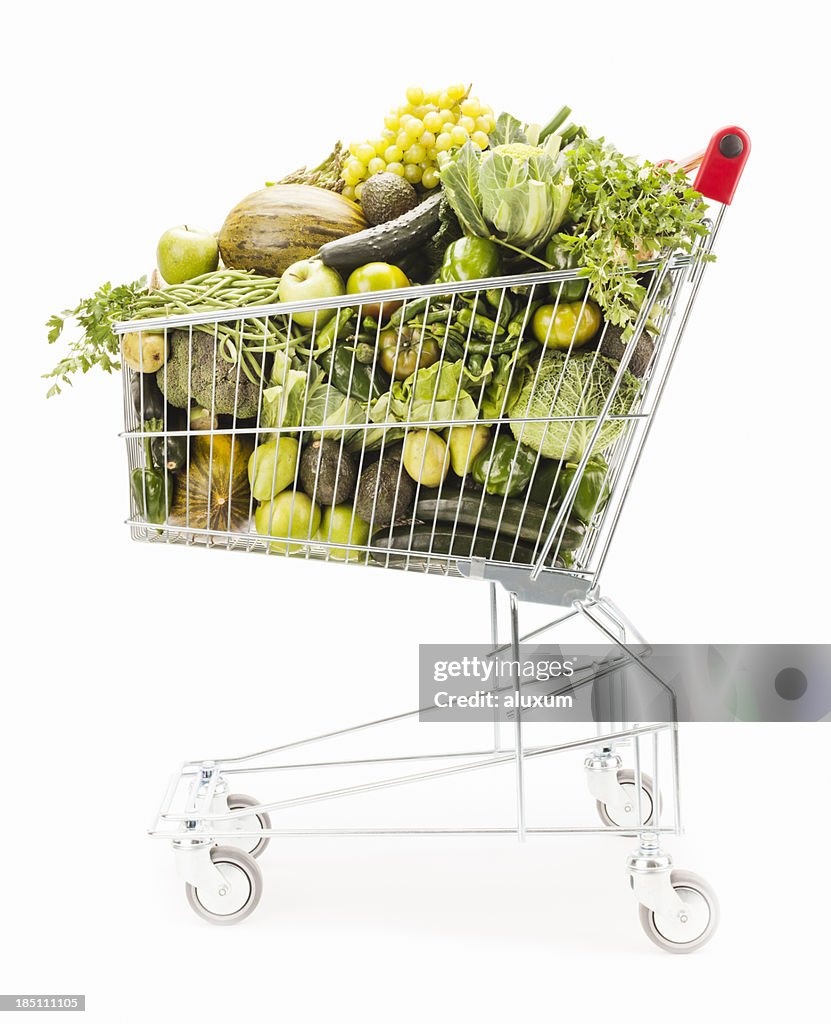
239, 488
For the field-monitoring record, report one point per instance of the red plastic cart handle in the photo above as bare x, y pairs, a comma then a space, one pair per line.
720, 165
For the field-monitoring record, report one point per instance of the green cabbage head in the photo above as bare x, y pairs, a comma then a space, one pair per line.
572, 386
514, 192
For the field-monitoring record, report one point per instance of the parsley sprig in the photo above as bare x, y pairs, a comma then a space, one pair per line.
622, 210
97, 345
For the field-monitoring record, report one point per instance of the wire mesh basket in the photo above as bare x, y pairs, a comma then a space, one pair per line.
449, 428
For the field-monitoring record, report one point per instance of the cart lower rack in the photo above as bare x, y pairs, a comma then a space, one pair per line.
426, 429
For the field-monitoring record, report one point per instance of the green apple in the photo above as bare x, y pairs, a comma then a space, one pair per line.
290, 514
307, 280
340, 523
186, 252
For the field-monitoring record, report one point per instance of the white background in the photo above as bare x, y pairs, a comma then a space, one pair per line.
120, 660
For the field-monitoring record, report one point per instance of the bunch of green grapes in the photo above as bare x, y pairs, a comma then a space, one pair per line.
414, 136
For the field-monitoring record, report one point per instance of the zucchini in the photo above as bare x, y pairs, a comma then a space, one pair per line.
386, 243
170, 453
435, 532
528, 521
464, 542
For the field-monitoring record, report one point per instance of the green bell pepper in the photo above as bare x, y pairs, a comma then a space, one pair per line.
469, 259
562, 259
505, 467
545, 487
351, 375
592, 491
152, 491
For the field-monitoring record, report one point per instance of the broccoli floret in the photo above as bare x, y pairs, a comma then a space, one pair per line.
205, 366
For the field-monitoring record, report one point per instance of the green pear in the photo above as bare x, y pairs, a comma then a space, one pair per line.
465, 443
272, 467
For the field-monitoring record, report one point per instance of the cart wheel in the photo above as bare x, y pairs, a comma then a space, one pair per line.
626, 778
256, 822
684, 934
236, 901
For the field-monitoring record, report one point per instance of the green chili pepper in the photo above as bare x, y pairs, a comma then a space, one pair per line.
336, 327
453, 350
470, 259
409, 311
505, 467
523, 317
153, 493
478, 323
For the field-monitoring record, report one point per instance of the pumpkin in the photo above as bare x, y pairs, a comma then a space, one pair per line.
216, 495
279, 225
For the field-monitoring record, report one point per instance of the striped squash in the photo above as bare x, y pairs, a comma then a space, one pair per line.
215, 494
273, 228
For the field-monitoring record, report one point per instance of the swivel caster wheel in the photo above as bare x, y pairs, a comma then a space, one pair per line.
258, 822
691, 928
236, 898
626, 816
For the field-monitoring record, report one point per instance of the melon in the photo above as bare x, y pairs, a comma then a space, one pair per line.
279, 225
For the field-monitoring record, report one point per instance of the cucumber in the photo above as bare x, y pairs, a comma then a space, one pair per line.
385, 243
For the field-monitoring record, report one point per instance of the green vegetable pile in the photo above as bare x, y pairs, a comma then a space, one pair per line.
449, 424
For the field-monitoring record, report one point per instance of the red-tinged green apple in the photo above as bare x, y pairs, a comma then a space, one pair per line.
307, 280
186, 252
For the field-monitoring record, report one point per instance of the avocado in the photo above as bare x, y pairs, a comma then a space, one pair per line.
328, 475
385, 491
612, 345
386, 196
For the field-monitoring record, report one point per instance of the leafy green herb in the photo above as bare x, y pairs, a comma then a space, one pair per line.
621, 212
97, 345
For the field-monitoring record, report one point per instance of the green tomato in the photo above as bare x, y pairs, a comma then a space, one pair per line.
566, 324
377, 277
290, 514
341, 523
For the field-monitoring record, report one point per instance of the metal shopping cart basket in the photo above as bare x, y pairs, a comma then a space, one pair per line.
257, 477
